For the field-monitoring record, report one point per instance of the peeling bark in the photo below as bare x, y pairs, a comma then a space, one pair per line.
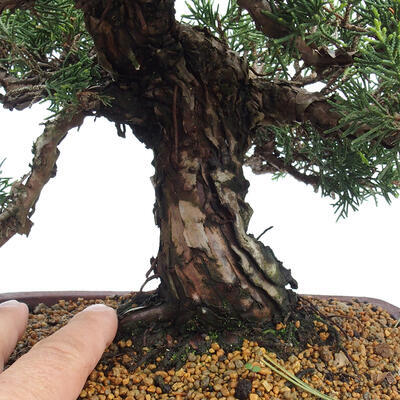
207, 262
197, 113
190, 99
284, 103
25, 192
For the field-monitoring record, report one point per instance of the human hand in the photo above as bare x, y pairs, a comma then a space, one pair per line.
58, 366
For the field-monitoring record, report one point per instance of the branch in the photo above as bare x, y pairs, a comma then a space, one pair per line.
21, 93
23, 197
320, 58
258, 10
280, 104
262, 162
14, 4
283, 102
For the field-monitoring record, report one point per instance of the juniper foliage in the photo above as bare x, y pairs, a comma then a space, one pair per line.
357, 47
365, 92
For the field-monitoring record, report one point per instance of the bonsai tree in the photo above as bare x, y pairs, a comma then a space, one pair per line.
209, 94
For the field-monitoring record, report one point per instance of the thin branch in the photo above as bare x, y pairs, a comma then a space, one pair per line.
259, 10
284, 102
264, 231
25, 192
344, 21
21, 93
261, 164
257, 73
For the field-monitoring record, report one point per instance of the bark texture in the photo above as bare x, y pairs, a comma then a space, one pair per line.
206, 258
192, 102
25, 192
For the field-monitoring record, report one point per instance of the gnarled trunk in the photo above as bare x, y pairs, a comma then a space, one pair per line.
193, 104
207, 262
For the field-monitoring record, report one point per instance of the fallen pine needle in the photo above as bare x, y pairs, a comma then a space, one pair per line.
270, 363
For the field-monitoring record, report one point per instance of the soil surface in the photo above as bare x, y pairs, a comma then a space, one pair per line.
346, 350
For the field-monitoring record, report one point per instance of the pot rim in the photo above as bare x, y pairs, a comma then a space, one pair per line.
32, 299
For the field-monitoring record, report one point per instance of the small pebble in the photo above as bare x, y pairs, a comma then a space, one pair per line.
373, 346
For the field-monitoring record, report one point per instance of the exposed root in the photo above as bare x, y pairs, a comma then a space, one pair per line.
140, 299
153, 264
156, 328
351, 361
324, 318
145, 315
150, 278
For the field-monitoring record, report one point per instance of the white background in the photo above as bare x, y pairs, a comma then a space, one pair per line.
94, 228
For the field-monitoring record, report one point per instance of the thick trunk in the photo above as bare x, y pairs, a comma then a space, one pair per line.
192, 102
207, 262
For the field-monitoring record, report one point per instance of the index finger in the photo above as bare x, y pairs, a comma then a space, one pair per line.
58, 366
13, 319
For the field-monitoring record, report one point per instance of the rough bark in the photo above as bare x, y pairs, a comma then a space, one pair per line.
207, 261
25, 192
198, 115
190, 99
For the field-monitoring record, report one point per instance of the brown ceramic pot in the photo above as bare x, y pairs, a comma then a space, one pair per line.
50, 298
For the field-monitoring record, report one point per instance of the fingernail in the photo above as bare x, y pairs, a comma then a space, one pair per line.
10, 303
96, 307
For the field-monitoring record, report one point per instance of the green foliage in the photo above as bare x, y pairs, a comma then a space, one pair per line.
350, 171
357, 159
357, 41
50, 43
236, 28
5, 185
